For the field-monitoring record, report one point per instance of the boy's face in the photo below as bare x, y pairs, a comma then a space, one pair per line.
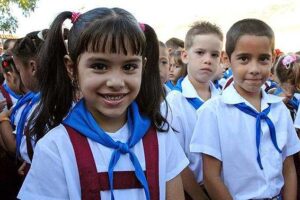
251, 62
203, 57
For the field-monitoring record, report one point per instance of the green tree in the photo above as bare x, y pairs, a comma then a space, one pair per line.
8, 22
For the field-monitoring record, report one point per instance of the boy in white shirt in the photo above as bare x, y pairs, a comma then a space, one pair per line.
246, 136
203, 46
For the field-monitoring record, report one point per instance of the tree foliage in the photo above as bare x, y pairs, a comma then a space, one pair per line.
8, 22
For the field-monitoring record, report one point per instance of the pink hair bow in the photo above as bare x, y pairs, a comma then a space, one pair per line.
75, 16
288, 59
142, 26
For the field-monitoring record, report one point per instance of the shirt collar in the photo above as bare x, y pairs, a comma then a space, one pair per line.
189, 91
231, 96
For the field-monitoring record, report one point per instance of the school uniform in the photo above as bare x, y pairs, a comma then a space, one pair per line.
297, 120
182, 117
228, 134
55, 156
19, 114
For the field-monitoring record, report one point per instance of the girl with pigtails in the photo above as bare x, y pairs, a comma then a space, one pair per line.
113, 143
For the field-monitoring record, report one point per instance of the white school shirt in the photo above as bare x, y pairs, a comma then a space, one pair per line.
228, 134
54, 173
182, 117
297, 119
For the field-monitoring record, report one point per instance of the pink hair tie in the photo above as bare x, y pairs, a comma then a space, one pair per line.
142, 26
288, 60
75, 16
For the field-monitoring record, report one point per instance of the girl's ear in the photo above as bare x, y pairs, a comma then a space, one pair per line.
33, 66
69, 64
144, 62
184, 56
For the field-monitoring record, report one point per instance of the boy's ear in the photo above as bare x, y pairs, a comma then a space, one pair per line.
69, 64
184, 56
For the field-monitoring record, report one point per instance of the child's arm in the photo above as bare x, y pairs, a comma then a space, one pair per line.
212, 179
8, 137
174, 189
289, 191
191, 186
6, 132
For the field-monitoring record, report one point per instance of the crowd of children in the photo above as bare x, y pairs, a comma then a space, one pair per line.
107, 111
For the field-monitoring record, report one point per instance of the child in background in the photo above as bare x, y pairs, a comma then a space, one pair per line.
202, 53
177, 70
163, 64
11, 90
115, 131
174, 44
287, 74
24, 54
250, 157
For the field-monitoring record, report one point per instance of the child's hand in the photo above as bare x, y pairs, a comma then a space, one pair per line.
2, 105
21, 170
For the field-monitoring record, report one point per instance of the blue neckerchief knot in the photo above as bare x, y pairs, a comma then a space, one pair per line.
23, 118
260, 116
82, 120
195, 102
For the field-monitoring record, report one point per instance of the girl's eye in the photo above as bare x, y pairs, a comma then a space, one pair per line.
164, 62
99, 66
130, 67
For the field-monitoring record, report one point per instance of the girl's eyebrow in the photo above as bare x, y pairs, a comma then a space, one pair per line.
100, 59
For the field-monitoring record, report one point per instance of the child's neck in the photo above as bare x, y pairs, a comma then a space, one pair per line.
202, 89
111, 124
253, 98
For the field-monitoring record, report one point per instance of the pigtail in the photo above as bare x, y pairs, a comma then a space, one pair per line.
55, 85
151, 92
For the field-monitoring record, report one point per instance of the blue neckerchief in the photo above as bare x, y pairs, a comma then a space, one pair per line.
23, 118
278, 91
217, 84
195, 102
259, 116
81, 120
294, 102
170, 85
22, 101
227, 73
10, 92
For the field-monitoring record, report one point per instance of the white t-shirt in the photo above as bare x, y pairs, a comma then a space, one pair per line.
182, 117
228, 134
54, 173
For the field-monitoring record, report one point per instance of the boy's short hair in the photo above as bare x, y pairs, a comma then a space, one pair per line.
253, 27
201, 28
174, 43
161, 44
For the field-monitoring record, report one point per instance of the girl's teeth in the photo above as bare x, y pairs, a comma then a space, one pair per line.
113, 98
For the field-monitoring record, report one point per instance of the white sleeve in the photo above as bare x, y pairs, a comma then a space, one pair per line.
297, 119
174, 118
46, 178
205, 138
176, 160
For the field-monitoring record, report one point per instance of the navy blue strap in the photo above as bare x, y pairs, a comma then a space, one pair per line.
260, 116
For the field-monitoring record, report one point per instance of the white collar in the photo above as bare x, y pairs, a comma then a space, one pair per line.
189, 91
231, 96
